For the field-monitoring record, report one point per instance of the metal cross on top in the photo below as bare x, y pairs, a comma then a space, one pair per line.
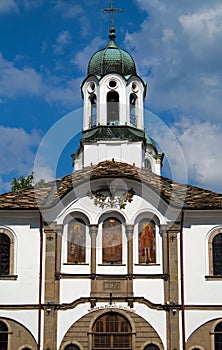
112, 10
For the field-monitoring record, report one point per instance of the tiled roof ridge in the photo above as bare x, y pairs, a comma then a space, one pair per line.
50, 193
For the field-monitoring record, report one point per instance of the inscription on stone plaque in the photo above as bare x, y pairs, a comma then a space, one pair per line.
111, 285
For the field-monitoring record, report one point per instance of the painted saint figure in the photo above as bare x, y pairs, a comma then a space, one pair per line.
147, 243
112, 241
76, 243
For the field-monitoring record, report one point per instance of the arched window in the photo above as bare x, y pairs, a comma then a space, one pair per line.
112, 241
112, 107
76, 242
4, 254
112, 331
218, 337
133, 100
147, 242
3, 336
26, 348
93, 103
217, 254
151, 347
72, 347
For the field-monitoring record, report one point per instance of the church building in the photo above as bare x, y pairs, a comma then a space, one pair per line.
114, 255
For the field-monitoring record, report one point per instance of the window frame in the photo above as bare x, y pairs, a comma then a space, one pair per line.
112, 334
5, 332
11, 275
213, 233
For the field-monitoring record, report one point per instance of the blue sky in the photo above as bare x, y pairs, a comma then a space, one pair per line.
44, 51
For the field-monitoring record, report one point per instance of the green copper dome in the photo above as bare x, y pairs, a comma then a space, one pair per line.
111, 59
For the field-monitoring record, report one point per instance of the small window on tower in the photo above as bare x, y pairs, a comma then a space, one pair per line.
112, 108
112, 84
93, 111
133, 117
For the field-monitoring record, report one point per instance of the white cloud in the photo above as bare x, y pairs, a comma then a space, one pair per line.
68, 95
178, 52
8, 6
43, 173
18, 152
17, 82
4, 186
30, 4
17, 149
64, 38
200, 145
204, 30
68, 10
82, 57
23, 82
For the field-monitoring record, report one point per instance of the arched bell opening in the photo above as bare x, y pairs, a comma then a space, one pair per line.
112, 108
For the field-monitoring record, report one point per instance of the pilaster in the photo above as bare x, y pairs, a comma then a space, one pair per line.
53, 238
171, 284
93, 230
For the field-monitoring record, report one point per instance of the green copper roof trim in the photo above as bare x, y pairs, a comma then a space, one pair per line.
106, 132
150, 141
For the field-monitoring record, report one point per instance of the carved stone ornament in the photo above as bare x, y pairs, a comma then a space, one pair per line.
111, 197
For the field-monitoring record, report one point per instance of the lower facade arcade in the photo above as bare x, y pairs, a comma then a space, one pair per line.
109, 328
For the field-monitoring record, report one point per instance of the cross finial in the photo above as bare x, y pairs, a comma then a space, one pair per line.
112, 10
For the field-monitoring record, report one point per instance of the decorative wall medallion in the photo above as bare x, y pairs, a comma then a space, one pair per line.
112, 197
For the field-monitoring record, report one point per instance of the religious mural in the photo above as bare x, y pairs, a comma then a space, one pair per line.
76, 242
146, 244
112, 241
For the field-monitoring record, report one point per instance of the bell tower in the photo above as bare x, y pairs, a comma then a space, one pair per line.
113, 113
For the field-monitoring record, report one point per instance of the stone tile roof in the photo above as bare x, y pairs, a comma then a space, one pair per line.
47, 195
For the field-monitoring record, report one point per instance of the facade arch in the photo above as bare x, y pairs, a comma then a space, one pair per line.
114, 212
8, 252
150, 346
19, 336
82, 330
76, 214
74, 345
112, 100
203, 337
151, 213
